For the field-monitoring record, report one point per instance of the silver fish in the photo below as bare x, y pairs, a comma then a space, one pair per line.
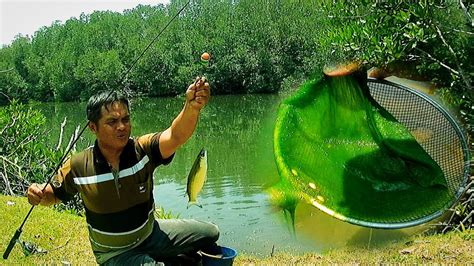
196, 178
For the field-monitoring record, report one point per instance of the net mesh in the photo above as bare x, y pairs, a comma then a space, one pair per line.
393, 159
432, 127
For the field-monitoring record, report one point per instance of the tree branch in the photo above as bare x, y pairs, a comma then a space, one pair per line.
439, 62
10, 162
461, 72
8, 70
24, 142
5, 178
466, 12
74, 135
9, 126
63, 124
6, 96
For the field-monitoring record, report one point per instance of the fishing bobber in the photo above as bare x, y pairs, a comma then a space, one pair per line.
205, 57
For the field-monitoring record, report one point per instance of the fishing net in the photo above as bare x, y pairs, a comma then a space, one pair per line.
372, 153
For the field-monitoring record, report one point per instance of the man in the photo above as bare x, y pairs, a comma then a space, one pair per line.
115, 181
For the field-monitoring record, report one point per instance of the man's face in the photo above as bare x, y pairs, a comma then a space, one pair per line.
114, 126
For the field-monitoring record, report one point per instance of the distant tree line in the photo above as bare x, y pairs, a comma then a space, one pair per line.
257, 46
254, 45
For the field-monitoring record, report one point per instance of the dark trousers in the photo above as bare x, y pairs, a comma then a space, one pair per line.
170, 237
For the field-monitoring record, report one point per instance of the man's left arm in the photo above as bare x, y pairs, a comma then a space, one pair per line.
183, 126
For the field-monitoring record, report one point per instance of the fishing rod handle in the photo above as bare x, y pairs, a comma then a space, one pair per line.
12, 243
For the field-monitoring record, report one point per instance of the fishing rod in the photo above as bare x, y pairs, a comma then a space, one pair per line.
18, 232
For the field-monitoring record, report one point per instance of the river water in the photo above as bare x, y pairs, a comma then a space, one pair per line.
237, 133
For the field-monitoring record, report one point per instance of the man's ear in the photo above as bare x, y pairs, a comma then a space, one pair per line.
92, 127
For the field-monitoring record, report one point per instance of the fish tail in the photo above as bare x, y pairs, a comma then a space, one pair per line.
191, 203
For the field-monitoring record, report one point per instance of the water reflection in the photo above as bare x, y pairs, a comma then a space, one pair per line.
237, 132
328, 232
247, 222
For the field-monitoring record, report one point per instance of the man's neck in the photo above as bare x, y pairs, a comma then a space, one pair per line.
111, 155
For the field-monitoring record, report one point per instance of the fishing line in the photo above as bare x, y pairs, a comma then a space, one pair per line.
124, 76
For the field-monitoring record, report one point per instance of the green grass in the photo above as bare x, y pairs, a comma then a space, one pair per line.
47, 228
67, 235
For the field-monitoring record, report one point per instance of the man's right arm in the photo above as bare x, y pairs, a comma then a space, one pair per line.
36, 195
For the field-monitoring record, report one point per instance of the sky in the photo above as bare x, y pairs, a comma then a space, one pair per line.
27, 16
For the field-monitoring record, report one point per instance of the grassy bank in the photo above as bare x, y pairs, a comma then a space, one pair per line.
65, 237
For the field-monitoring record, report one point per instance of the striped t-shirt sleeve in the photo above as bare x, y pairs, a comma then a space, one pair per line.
150, 143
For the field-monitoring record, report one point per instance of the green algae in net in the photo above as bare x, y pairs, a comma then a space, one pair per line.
337, 149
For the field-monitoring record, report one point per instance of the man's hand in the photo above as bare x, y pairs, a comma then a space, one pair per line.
36, 195
198, 93
183, 126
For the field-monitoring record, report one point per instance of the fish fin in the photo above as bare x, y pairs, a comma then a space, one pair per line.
290, 219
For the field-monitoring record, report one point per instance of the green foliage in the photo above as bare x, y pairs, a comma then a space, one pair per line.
161, 213
98, 71
25, 158
255, 46
74, 206
12, 84
429, 40
19, 126
433, 37
25, 155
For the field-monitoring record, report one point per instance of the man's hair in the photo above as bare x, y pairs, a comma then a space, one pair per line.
95, 103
